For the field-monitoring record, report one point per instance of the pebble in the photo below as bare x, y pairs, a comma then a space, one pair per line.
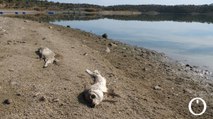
107, 50
42, 99
85, 54
188, 91
104, 35
7, 101
145, 69
18, 94
13, 83
112, 45
55, 100
11, 70
157, 87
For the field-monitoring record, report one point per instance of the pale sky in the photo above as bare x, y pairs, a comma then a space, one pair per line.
136, 2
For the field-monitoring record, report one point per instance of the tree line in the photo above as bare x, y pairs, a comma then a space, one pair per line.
164, 8
43, 5
48, 5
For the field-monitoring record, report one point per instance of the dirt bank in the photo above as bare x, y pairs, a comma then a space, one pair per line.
149, 84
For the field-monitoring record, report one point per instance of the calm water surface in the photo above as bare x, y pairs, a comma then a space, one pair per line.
189, 42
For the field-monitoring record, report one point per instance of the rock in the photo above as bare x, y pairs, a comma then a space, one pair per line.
112, 45
68, 26
189, 66
13, 83
187, 91
11, 70
42, 99
18, 94
104, 35
55, 100
124, 48
107, 50
9, 42
157, 87
7, 101
145, 69
50, 27
85, 54
3, 30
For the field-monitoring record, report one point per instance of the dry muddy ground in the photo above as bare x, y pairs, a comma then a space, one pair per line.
149, 85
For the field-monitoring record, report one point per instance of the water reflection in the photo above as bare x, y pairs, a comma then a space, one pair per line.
191, 41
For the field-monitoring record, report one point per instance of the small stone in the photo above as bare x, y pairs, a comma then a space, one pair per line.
85, 54
42, 99
11, 70
104, 35
157, 87
13, 83
55, 100
187, 91
3, 30
18, 94
145, 69
107, 50
7, 101
50, 27
68, 26
124, 48
112, 45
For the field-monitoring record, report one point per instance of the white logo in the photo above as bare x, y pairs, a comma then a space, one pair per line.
197, 101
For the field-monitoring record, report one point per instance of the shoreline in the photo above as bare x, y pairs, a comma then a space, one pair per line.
182, 59
150, 85
198, 66
197, 69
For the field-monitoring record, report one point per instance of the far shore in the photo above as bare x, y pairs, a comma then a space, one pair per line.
83, 12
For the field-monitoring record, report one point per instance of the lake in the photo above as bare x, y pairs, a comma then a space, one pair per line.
188, 42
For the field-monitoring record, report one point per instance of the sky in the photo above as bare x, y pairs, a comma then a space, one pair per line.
136, 2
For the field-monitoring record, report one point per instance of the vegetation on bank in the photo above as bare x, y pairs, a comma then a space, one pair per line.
40, 5
165, 9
